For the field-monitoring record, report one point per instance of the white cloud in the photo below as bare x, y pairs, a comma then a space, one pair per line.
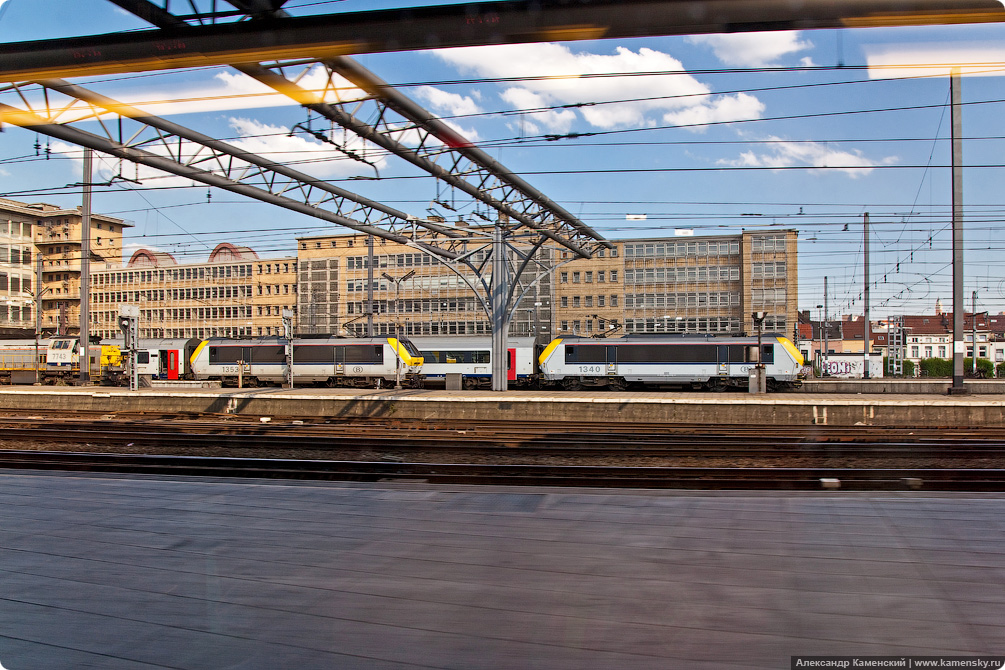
753, 49
444, 101
813, 154
230, 91
560, 81
927, 60
725, 108
558, 121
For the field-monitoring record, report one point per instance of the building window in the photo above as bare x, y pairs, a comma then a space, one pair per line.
614, 301
600, 301
565, 301
589, 277
565, 278
575, 277
614, 276
565, 324
589, 301
575, 301
600, 276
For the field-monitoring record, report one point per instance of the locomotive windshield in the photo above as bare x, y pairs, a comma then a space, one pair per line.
410, 348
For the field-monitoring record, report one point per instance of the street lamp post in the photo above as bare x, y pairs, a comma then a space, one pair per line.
37, 300
758, 383
397, 324
820, 345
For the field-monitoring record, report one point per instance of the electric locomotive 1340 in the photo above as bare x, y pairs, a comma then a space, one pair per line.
704, 362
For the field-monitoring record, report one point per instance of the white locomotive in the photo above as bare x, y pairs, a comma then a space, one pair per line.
704, 362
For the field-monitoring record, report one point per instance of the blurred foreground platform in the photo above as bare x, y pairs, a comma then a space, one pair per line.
127, 572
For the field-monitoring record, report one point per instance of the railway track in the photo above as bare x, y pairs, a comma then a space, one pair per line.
519, 475
488, 438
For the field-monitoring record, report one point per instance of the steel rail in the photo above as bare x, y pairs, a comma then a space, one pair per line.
524, 445
518, 475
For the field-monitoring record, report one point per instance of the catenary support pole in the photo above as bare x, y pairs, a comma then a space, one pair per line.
85, 272
865, 296
500, 315
959, 346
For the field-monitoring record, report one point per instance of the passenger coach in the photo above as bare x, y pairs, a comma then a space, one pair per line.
471, 357
714, 363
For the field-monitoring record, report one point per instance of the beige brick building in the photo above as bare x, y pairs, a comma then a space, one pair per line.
233, 294
51, 235
334, 271
678, 285
17, 280
681, 285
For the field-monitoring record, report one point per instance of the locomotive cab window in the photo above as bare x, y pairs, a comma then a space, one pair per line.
586, 353
767, 353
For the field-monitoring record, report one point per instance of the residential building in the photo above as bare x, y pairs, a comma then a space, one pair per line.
17, 274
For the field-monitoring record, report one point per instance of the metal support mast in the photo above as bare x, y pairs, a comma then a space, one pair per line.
865, 296
500, 313
85, 272
959, 345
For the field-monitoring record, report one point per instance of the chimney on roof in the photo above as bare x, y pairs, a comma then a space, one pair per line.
938, 306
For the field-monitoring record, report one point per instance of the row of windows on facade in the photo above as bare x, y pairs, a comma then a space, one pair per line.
399, 261
675, 275
176, 274
665, 300
14, 283
666, 325
586, 277
694, 325
222, 331
415, 328
683, 249
418, 306
15, 255
769, 296
151, 295
446, 282
600, 253
15, 313
588, 301
15, 228
180, 314
982, 352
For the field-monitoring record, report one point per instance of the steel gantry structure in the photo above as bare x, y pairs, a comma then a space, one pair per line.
55, 107
255, 30
217, 39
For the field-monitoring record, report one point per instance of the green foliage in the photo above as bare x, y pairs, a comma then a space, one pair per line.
985, 368
908, 368
936, 367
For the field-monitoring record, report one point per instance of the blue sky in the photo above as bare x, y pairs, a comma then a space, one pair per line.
739, 131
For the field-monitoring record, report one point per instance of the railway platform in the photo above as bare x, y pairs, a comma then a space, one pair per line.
128, 572
823, 408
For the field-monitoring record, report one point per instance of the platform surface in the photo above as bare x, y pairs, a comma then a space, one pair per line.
130, 572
